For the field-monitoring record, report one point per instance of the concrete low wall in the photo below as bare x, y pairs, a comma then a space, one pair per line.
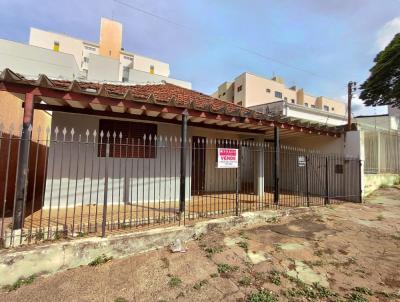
373, 182
58, 256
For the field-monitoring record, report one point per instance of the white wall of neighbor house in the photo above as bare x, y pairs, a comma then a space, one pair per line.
33, 61
137, 76
103, 69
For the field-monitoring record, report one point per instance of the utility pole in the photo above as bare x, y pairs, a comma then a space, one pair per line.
351, 87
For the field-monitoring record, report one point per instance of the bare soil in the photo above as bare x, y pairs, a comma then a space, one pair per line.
348, 252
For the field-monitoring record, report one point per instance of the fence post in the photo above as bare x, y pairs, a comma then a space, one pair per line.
182, 192
360, 175
276, 164
23, 166
307, 185
327, 201
237, 191
103, 226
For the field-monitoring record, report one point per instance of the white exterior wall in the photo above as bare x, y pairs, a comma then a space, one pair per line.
68, 44
32, 61
103, 69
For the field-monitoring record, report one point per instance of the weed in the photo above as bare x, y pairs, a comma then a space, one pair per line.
319, 253
356, 297
380, 217
274, 219
174, 281
83, 234
200, 284
39, 235
262, 296
363, 290
21, 282
214, 275
165, 262
275, 277
226, 268
58, 235
396, 236
314, 263
212, 250
100, 260
243, 235
243, 245
245, 281
120, 299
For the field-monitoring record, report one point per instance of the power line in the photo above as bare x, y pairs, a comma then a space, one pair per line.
244, 49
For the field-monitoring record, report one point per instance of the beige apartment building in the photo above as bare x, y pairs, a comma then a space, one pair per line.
250, 90
106, 55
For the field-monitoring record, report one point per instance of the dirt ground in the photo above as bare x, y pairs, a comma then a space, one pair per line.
348, 252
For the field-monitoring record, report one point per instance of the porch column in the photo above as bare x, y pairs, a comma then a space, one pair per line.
276, 164
23, 159
182, 192
260, 176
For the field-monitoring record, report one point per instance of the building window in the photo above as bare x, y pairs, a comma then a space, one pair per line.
132, 144
268, 90
56, 46
278, 94
306, 104
128, 58
326, 108
151, 69
125, 74
90, 48
292, 100
239, 88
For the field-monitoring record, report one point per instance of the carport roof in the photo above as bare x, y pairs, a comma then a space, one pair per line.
162, 102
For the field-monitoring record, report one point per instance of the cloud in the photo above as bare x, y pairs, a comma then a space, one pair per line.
358, 107
387, 32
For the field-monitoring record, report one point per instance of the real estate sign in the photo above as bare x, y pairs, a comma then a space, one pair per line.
228, 158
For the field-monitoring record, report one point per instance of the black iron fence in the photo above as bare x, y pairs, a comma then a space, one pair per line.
91, 183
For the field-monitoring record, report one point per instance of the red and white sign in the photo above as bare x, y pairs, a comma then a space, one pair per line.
228, 158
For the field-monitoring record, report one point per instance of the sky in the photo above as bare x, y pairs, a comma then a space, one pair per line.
315, 44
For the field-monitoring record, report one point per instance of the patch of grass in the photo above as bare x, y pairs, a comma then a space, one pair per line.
174, 281
100, 260
262, 296
21, 282
356, 297
245, 281
380, 217
275, 277
120, 299
226, 268
314, 263
274, 219
363, 290
316, 291
214, 275
200, 284
243, 245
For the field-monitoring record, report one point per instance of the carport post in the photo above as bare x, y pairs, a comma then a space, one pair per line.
182, 192
327, 201
276, 164
23, 158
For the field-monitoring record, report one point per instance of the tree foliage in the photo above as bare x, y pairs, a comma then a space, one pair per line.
383, 85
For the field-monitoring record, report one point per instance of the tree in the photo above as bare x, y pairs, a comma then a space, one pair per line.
383, 85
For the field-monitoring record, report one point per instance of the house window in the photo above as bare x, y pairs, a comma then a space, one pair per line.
152, 69
268, 90
326, 108
306, 104
292, 100
278, 94
56, 46
132, 143
125, 74
239, 88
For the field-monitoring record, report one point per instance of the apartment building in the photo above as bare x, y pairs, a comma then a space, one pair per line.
271, 95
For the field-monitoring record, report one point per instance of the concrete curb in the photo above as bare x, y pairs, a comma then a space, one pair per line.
58, 256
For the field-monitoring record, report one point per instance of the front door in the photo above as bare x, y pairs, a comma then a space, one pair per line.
198, 165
